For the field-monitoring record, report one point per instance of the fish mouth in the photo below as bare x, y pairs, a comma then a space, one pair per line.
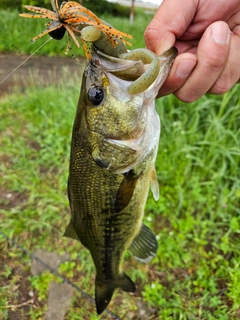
142, 69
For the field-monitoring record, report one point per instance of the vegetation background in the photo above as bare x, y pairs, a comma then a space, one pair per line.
97, 6
196, 273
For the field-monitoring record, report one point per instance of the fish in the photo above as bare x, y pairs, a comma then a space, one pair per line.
114, 143
114, 146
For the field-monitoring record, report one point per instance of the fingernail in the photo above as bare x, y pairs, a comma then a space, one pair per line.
185, 67
220, 32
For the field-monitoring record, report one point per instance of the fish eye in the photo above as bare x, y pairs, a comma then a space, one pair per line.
96, 95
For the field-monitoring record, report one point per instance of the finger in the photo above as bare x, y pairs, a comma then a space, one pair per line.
231, 73
212, 56
181, 69
234, 19
170, 22
236, 31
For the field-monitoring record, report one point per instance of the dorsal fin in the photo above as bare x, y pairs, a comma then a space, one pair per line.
144, 246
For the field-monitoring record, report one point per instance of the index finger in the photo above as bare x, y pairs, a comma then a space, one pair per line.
170, 21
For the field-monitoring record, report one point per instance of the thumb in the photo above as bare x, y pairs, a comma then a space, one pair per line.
156, 41
170, 21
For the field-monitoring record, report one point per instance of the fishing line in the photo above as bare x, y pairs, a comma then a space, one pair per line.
33, 256
69, 48
25, 61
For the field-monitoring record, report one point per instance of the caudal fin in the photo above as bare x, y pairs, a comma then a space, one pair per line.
104, 290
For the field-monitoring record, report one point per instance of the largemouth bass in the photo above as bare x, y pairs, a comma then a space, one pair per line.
114, 146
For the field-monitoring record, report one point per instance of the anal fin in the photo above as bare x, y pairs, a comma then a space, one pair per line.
144, 246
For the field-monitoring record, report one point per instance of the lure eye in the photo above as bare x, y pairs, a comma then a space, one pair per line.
96, 95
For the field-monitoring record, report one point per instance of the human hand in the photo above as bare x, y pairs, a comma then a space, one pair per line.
207, 36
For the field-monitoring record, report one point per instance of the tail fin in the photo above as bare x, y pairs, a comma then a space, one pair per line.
104, 290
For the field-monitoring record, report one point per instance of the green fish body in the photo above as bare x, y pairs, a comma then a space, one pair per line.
114, 146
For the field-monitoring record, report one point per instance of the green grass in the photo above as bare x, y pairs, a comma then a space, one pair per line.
196, 273
197, 217
16, 33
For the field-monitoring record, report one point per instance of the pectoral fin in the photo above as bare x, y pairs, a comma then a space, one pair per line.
125, 191
144, 246
154, 185
70, 232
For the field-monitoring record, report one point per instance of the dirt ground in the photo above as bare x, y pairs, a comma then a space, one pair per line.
37, 70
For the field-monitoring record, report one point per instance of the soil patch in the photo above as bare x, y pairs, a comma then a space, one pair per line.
37, 70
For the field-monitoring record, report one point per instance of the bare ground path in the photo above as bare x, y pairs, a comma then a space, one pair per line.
37, 70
